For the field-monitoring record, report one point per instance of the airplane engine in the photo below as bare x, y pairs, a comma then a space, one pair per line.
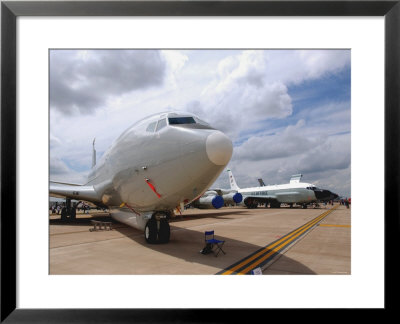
232, 198
210, 201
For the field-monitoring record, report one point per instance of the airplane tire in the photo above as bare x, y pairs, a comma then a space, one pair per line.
250, 204
64, 214
73, 213
275, 205
164, 232
150, 231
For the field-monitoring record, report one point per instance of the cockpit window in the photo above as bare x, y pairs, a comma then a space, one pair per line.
181, 120
151, 127
188, 122
161, 124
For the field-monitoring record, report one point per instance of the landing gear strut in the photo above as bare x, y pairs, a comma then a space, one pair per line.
250, 203
68, 211
157, 230
275, 204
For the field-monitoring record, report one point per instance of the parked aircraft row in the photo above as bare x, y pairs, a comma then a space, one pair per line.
294, 192
166, 161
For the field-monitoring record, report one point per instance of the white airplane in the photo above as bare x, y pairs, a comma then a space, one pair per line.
160, 163
290, 193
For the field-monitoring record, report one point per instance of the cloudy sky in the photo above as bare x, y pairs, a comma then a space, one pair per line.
286, 111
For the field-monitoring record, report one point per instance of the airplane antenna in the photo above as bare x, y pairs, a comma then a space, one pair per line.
93, 154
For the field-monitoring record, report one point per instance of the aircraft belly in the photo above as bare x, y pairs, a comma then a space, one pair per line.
127, 217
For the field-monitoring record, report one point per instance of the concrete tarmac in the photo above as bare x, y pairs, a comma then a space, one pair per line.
323, 249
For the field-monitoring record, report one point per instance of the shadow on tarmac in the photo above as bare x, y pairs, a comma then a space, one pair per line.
81, 219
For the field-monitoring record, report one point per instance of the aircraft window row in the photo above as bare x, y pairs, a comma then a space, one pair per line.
313, 188
258, 193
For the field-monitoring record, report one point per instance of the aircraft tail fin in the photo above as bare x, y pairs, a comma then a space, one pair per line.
295, 178
232, 181
261, 182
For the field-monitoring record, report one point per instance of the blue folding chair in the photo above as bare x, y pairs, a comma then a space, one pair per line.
213, 244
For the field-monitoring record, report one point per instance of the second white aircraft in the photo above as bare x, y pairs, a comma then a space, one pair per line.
294, 192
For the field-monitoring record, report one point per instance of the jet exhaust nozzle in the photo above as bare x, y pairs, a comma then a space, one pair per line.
217, 202
237, 197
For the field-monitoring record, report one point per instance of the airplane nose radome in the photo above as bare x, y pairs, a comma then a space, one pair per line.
219, 148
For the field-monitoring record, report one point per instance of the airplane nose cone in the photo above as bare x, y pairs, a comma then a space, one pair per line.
325, 195
219, 148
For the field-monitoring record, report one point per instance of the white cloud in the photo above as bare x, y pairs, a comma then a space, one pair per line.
100, 94
252, 86
290, 142
83, 81
296, 66
60, 172
242, 95
317, 63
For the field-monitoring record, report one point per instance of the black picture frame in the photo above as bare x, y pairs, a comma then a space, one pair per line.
10, 10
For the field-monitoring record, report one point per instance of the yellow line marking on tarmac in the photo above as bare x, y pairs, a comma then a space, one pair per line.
276, 249
277, 245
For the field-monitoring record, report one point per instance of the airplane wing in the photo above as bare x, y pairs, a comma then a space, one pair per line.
73, 191
218, 191
222, 192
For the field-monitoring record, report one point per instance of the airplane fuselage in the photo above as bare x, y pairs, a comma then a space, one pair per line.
160, 163
293, 193
149, 169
